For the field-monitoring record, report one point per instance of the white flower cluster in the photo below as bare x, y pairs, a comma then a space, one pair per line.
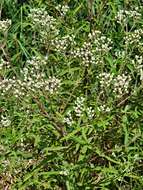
41, 18
101, 43
85, 53
4, 64
79, 109
13, 86
97, 44
94, 34
120, 54
105, 79
33, 79
63, 9
65, 172
90, 112
68, 119
139, 60
61, 44
118, 84
134, 37
52, 85
79, 106
35, 76
4, 25
103, 108
138, 63
123, 15
121, 85
5, 121
46, 24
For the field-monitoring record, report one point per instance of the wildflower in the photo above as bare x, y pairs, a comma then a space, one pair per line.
104, 108
4, 25
123, 15
85, 53
133, 37
68, 119
61, 44
139, 65
100, 42
79, 106
63, 9
45, 23
41, 17
120, 54
33, 79
64, 172
5, 121
90, 112
52, 84
4, 64
121, 84
105, 79
89, 51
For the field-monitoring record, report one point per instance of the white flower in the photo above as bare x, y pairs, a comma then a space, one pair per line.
46, 24
4, 64
90, 112
65, 172
104, 108
62, 9
133, 37
52, 84
121, 84
105, 79
5, 121
79, 106
123, 15
4, 25
139, 65
68, 119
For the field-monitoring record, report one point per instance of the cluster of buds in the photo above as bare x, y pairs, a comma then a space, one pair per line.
138, 63
5, 121
79, 106
90, 112
79, 109
85, 53
52, 84
100, 43
103, 108
4, 25
105, 79
68, 119
63, 43
123, 15
121, 85
41, 18
46, 24
97, 44
63, 9
36, 62
35, 76
12, 86
120, 54
4, 65
134, 37
33, 79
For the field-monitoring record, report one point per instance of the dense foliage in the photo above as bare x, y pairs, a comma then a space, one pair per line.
71, 95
